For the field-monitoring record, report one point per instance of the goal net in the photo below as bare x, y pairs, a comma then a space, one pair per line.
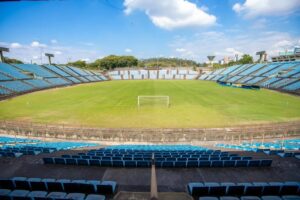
153, 101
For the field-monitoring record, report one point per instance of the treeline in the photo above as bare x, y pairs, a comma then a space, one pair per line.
12, 60
113, 61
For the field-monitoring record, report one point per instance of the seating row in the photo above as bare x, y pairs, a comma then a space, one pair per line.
147, 163
6, 194
60, 185
284, 197
166, 158
240, 189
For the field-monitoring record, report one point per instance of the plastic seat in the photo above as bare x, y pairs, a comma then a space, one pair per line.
107, 187
271, 198
53, 185
289, 188
143, 164
229, 163
215, 189
7, 184
249, 198
76, 196
57, 195
253, 163
129, 163
192, 163
60, 161
241, 163
198, 189
48, 160
168, 164
83, 162
37, 184
95, 197
71, 161
265, 163
19, 194
4, 194
229, 198
204, 163
21, 183
217, 163
180, 164
273, 188
208, 198
37, 194
106, 163
290, 197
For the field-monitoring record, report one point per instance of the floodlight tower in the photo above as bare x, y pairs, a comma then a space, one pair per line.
211, 59
49, 55
2, 49
262, 56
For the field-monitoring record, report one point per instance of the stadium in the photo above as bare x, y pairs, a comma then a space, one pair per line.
157, 128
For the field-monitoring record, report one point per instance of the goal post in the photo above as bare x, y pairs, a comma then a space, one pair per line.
153, 100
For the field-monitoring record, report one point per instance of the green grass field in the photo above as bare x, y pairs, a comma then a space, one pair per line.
114, 104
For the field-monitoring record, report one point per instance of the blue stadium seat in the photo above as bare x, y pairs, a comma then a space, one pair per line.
19, 194
95, 197
290, 197
270, 198
77, 196
37, 184
37, 195
250, 198
107, 187
21, 183
57, 195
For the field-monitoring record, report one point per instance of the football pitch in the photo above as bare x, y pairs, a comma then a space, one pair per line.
113, 104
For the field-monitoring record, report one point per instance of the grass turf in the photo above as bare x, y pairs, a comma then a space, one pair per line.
114, 104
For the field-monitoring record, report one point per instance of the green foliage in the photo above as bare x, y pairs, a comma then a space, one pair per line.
113, 61
246, 59
167, 62
12, 61
79, 63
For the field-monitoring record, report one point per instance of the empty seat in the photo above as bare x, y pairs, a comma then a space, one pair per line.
229, 163
4, 194
235, 190
53, 185
21, 183
204, 163
57, 195
273, 188
48, 160
270, 198
290, 197
37, 194
95, 197
192, 163
7, 184
253, 163
180, 164
76, 196
106, 187
71, 161
229, 198
37, 184
94, 162
217, 163
143, 164
241, 163
19, 194
265, 163
208, 198
250, 198
198, 189
215, 189
130, 163
61, 161
168, 164
289, 188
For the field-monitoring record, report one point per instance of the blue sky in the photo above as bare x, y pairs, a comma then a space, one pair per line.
91, 29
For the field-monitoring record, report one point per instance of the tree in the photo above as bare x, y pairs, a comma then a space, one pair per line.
79, 63
113, 61
12, 60
246, 59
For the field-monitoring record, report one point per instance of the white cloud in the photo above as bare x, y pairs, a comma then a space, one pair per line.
180, 49
53, 41
254, 8
37, 44
221, 45
85, 59
57, 52
15, 45
127, 50
171, 14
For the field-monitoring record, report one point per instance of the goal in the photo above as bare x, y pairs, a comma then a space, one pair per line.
153, 101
